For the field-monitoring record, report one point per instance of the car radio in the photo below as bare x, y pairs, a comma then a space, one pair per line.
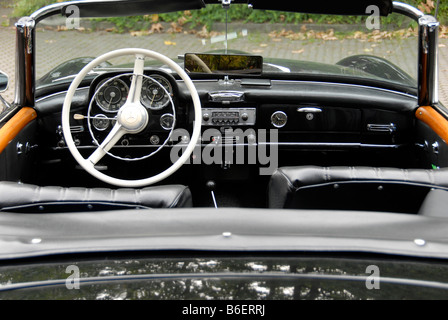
228, 117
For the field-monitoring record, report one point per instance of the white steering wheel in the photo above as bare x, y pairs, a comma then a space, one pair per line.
132, 117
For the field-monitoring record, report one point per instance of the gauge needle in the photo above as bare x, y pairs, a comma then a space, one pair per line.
153, 97
112, 96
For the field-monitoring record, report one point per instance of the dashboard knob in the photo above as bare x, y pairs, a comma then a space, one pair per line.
154, 140
244, 117
251, 139
206, 117
211, 185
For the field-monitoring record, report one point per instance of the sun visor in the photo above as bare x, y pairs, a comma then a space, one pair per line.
358, 7
113, 8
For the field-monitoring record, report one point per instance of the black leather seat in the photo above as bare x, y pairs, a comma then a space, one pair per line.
18, 197
353, 188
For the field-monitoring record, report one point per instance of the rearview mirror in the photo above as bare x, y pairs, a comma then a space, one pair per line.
223, 63
4, 81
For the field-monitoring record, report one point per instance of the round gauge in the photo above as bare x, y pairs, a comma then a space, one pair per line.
100, 122
111, 94
153, 94
279, 119
167, 121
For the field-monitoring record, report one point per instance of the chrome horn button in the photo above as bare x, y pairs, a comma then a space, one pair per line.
133, 117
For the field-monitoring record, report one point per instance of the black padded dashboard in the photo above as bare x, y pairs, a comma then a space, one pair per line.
344, 115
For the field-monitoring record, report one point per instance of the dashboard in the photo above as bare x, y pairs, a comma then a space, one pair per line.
313, 122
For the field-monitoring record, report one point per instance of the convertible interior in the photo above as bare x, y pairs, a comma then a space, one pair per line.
250, 139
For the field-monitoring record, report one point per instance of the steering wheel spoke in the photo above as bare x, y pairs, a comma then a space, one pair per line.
111, 140
137, 80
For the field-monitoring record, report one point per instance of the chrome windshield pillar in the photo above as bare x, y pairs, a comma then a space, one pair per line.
407, 10
428, 32
25, 62
428, 90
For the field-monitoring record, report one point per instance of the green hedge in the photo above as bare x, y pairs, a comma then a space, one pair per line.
211, 14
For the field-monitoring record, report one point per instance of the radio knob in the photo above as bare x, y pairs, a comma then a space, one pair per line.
206, 117
244, 117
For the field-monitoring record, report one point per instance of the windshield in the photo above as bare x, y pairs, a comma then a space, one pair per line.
224, 278
293, 44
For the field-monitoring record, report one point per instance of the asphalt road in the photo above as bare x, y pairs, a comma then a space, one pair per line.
55, 47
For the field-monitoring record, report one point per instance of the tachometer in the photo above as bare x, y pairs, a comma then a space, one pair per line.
111, 94
153, 94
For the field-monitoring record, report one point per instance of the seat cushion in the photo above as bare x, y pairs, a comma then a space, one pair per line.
30, 198
360, 188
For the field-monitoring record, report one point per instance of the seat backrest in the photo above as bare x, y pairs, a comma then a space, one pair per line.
28, 198
353, 188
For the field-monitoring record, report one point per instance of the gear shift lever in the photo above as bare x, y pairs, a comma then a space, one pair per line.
211, 185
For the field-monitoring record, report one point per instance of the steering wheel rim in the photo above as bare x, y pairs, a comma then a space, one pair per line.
87, 164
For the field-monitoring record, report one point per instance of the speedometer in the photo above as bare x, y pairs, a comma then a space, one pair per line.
156, 92
111, 94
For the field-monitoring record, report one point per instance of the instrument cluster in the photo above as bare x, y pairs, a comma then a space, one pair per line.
111, 93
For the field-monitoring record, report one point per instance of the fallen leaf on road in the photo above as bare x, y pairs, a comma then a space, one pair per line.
298, 51
156, 27
139, 33
175, 28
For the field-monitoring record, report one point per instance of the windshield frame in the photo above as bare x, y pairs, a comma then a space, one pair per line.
25, 73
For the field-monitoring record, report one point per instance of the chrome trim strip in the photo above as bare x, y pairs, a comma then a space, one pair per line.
323, 83
333, 144
59, 93
50, 10
280, 144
